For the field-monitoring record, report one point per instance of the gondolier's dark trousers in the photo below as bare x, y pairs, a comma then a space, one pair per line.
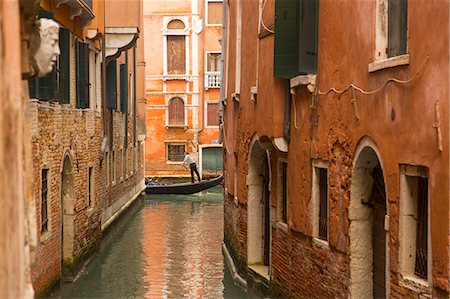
193, 168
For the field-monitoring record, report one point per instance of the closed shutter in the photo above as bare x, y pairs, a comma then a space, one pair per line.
213, 114
64, 67
397, 27
309, 16
214, 12
286, 43
176, 112
176, 54
123, 87
296, 36
82, 62
111, 84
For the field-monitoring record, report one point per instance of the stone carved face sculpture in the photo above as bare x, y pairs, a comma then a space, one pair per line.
48, 50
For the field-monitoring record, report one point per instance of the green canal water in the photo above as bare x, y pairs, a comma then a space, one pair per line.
167, 246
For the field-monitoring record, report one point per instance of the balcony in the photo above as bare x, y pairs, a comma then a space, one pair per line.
212, 79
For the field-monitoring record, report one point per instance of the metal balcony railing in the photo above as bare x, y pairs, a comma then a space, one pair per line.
212, 79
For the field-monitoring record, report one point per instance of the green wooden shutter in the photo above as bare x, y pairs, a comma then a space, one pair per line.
111, 84
296, 36
123, 88
33, 88
397, 27
286, 38
309, 17
82, 61
64, 66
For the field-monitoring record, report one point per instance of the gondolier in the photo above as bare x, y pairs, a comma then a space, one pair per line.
192, 166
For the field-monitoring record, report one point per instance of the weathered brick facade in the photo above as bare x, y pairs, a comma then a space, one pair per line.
376, 128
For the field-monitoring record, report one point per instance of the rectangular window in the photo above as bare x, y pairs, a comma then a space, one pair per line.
111, 84
320, 200
113, 167
212, 114
421, 264
414, 209
124, 87
283, 205
296, 36
108, 177
82, 76
397, 27
90, 186
214, 13
175, 152
323, 210
44, 197
176, 54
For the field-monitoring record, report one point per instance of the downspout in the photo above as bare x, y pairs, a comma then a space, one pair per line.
105, 137
222, 75
287, 113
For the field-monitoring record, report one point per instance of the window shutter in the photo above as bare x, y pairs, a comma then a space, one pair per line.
33, 88
176, 54
309, 16
176, 112
213, 114
82, 58
111, 84
296, 35
397, 27
286, 38
64, 67
124, 88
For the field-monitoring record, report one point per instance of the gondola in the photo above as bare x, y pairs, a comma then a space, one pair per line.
184, 188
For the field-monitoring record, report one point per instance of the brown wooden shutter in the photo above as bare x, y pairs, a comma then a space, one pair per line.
214, 12
176, 54
213, 114
176, 112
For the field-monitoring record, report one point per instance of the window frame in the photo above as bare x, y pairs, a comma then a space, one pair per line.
209, 102
207, 13
317, 166
408, 204
174, 143
47, 220
381, 60
167, 32
183, 99
282, 223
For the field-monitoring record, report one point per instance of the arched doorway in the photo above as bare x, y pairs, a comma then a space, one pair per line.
367, 213
258, 207
67, 213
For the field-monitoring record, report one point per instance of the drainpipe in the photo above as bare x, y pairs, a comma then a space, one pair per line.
105, 137
287, 113
222, 75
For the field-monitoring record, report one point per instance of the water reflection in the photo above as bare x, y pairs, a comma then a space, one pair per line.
170, 247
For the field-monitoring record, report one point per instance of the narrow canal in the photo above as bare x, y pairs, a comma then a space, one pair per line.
169, 246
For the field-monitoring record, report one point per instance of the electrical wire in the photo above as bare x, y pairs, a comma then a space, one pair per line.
262, 19
398, 81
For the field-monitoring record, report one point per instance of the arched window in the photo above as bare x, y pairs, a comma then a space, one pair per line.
176, 47
176, 112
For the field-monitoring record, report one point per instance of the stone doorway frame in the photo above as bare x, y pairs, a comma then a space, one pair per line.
255, 209
67, 211
367, 157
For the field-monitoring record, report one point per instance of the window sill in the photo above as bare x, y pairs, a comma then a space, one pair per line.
235, 96
90, 212
214, 25
388, 63
173, 162
282, 226
416, 284
211, 127
261, 270
45, 237
303, 80
176, 127
321, 243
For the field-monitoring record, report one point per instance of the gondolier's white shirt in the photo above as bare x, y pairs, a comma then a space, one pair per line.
188, 159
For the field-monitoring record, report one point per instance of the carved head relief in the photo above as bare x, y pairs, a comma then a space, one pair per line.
48, 50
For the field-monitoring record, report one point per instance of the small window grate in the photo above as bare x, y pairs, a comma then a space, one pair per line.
44, 195
421, 263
